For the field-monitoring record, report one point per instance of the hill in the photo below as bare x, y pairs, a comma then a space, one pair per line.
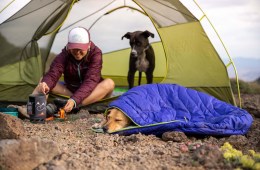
248, 68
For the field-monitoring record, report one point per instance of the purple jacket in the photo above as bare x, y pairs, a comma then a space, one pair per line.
80, 77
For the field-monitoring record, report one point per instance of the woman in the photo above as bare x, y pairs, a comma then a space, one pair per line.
80, 62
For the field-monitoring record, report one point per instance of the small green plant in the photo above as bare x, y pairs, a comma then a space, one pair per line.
250, 161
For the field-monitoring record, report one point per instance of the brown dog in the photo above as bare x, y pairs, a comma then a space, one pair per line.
115, 120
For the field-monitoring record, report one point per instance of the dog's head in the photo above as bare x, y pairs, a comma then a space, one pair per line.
115, 120
138, 41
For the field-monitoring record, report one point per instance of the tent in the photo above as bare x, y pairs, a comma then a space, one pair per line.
184, 52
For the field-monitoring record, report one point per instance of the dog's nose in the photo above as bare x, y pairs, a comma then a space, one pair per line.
133, 53
104, 129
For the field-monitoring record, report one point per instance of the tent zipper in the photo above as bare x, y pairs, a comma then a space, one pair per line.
79, 72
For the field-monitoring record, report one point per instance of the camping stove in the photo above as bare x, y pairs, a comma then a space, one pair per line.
36, 108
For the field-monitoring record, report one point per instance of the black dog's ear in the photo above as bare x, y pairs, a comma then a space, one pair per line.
127, 35
147, 34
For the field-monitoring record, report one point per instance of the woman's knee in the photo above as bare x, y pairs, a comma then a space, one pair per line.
110, 84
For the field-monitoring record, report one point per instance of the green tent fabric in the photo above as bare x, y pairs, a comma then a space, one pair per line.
185, 55
23, 60
194, 63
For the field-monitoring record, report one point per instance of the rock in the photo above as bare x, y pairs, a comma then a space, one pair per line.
26, 153
11, 127
58, 162
238, 141
258, 144
252, 108
174, 136
208, 156
184, 148
131, 138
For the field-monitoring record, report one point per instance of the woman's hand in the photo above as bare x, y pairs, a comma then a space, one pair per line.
69, 105
43, 88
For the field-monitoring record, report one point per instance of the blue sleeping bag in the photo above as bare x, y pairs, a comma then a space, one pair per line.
158, 108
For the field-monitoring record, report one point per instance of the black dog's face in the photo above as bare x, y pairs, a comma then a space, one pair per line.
138, 41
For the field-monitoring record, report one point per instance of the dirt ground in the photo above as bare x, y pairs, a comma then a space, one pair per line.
84, 149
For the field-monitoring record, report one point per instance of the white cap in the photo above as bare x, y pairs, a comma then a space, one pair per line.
78, 39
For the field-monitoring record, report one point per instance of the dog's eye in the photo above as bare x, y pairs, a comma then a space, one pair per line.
118, 120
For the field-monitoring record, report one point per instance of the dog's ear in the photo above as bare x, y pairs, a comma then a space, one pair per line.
147, 34
127, 35
107, 112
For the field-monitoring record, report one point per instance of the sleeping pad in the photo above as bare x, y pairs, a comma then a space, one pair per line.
158, 108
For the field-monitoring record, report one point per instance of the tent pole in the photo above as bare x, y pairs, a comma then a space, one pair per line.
7, 6
86, 16
230, 59
56, 29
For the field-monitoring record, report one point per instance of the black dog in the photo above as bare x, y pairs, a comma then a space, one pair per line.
141, 57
